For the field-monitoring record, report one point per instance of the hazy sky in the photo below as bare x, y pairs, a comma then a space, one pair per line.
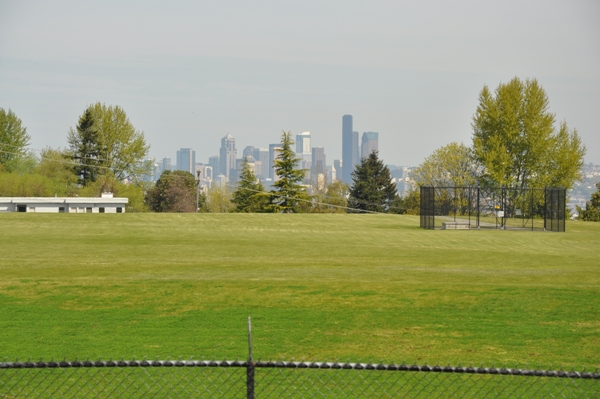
189, 72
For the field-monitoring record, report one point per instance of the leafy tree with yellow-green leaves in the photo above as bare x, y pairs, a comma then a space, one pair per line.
516, 141
104, 140
13, 142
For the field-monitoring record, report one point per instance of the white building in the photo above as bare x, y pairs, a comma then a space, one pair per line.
104, 204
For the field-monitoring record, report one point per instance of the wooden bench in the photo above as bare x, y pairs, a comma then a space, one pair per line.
456, 226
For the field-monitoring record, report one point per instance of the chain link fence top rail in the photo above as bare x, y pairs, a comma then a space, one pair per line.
283, 379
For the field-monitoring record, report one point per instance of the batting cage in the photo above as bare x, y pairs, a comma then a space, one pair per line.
502, 208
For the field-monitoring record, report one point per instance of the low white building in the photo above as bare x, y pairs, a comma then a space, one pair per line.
104, 204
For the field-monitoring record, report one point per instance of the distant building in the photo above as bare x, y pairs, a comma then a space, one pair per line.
319, 164
248, 152
104, 204
228, 155
214, 164
369, 143
331, 174
349, 149
186, 160
273, 152
166, 163
303, 150
337, 164
261, 155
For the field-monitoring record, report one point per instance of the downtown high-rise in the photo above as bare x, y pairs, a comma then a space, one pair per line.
228, 156
349, 149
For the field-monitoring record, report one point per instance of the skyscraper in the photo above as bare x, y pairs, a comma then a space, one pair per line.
319, 165
349, 149
369, 143
215, 165
273, 152
303, 149
228, 155
186, 160
262, 156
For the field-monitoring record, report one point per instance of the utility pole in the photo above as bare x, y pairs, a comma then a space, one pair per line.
197, 189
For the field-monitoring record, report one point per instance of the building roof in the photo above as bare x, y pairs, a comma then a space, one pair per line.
63, 200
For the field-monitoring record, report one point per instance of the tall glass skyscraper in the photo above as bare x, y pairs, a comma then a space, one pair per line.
227, 156
349, 149
186, 160
369, 143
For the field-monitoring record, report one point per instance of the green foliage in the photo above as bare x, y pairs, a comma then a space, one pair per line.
175, 191
107, 183
85, 149
333, 199
372, 188
219, 200
57, 166
250, 194
289, 195
27, 185
105, 140
13, 141
515, 142
449, 166
591, 213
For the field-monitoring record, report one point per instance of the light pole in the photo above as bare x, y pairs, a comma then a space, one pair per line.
197, 189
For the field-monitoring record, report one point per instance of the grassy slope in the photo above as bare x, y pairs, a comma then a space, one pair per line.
348, 287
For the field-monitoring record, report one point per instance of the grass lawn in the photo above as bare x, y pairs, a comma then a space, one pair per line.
318, 287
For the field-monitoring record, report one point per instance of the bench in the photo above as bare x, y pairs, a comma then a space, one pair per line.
456, 226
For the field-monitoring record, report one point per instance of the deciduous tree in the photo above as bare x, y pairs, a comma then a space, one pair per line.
372, 187
175, 191
13, 140
449, 166
516, 143
105, 140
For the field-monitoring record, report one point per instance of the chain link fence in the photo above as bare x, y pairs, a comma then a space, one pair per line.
243, 379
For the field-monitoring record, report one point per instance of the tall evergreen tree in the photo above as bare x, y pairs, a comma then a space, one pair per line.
372, 187
250, 195
288, 195
85, 149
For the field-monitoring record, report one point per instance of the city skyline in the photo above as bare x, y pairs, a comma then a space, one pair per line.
411, 71
310, 158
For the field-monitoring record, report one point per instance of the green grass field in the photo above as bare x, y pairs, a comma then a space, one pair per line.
318, 287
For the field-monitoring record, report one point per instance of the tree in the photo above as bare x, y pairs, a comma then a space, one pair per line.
449, 166
333, 199
56, 165
85, 148
591, 213
13, 140
250, 195
372, 187
515, 142
289, 195
175, 191
105, 140
219, 199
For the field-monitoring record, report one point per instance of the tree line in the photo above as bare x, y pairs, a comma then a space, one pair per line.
516, 142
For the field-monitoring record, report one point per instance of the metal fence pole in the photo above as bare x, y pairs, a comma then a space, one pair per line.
250, 366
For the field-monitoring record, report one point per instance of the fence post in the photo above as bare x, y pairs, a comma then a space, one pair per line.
250, 366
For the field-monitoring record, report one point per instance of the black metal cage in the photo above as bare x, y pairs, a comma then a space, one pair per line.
493, 208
